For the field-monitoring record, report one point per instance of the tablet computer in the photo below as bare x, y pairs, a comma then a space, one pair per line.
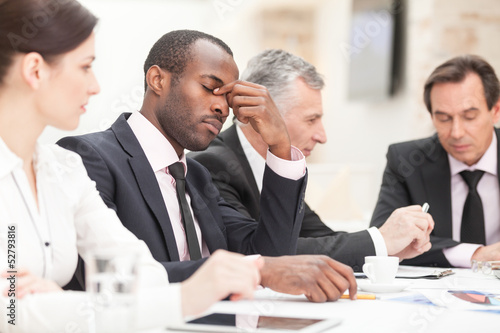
230, 323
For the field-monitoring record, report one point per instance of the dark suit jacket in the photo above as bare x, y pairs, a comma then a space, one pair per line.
232, 174
116, 162
418, 171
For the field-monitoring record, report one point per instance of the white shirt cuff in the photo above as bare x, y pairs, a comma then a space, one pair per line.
294, 169
378, 241
461, 255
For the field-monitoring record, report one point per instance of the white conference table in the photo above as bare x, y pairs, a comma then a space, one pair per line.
449, 314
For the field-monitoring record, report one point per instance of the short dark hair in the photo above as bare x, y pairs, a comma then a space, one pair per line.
455, 70
172, 51
48, 27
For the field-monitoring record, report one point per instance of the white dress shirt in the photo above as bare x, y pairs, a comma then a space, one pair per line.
489, 191
257, 164
161, 154
70, 219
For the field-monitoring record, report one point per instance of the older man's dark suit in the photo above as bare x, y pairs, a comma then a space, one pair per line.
116, 162
232, 174
418, 171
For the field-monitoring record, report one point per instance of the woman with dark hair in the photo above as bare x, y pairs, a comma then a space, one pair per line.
50, 211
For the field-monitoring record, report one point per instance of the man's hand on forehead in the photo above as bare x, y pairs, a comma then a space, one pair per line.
252, 103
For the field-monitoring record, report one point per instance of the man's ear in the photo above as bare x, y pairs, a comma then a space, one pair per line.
496, 112
158, 80
33, 69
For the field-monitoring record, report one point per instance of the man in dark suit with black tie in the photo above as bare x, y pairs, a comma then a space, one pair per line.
456, 170
170, 202
235, 160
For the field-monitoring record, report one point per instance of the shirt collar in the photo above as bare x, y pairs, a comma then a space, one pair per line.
256, 161
487, 163
43, 158
158, 150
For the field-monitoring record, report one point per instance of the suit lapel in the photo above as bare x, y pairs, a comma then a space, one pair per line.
146, 181
437, 183
210, 230
230, 138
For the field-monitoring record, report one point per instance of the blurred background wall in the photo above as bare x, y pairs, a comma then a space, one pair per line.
373, 95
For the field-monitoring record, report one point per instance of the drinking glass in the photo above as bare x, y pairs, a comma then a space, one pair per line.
111, 280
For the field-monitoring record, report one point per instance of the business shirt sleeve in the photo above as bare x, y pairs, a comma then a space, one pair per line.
378, 241
294, 169
460, 255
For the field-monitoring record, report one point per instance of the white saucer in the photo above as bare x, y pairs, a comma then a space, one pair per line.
384, 288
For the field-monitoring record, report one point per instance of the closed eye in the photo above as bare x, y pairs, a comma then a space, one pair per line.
313, 120
442, 117
207, 89
471, 114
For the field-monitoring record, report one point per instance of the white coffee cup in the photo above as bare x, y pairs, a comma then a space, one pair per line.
111, 279
381, 270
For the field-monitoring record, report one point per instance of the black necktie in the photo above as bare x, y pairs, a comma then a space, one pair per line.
472, 230
177, 171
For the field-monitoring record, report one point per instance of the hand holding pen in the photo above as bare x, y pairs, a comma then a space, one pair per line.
407, 231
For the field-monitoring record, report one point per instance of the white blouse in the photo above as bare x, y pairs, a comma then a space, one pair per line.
70, 219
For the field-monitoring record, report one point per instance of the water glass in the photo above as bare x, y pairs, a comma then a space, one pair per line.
111, 280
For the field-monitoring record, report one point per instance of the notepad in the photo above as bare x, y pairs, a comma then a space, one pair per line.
433, 276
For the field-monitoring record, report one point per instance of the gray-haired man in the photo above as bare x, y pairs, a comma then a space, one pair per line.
236, 161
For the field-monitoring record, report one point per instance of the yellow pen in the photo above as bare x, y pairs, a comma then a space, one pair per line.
360, 296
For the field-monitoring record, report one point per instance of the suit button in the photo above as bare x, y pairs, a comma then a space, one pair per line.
355, 268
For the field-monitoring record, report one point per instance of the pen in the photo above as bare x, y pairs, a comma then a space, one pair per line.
425, 207
360, 296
